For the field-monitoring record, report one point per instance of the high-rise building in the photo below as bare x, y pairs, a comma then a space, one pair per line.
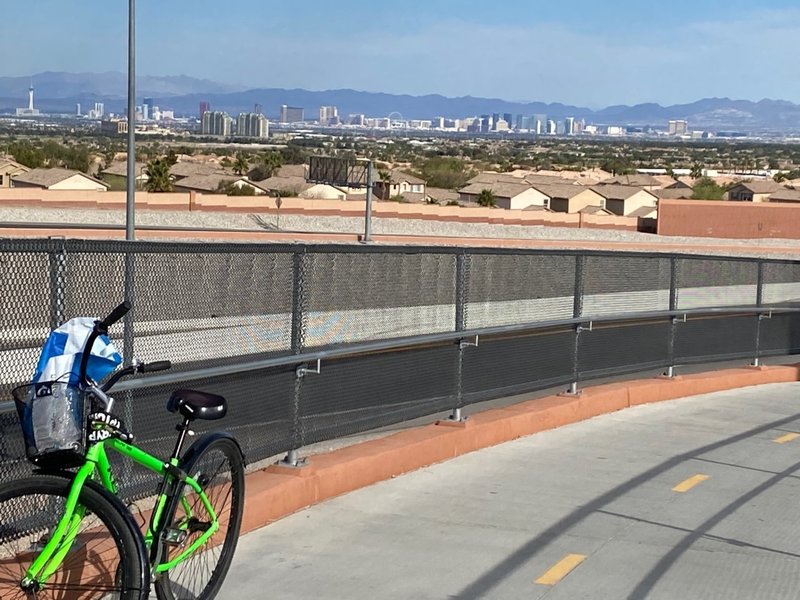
569, 126
292, 114
78, 109
327, 114
98, 112
258, 109
540, 124
509, 119
495, 119
252, 125
217, 123
678, 127
147, 109
204, 108
551, 127
357, 120
486, 123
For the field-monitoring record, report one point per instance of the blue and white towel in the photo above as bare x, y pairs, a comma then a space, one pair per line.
62, 352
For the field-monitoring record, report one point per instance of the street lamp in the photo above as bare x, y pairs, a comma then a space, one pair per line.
130, 201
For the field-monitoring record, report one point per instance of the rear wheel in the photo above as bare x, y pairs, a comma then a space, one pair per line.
104, 561
219, 469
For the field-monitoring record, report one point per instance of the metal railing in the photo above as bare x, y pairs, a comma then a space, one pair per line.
311, 343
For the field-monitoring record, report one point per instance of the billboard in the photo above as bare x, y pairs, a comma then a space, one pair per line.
337, 171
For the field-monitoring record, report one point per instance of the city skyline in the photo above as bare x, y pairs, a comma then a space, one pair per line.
577, 52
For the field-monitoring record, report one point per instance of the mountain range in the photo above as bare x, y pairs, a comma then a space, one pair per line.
60, 92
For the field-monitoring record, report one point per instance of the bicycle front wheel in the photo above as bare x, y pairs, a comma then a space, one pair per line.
102, 560
217, 465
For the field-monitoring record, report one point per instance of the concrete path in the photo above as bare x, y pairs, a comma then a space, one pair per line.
694, 498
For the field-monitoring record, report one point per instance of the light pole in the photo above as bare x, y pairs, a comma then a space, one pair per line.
130, 201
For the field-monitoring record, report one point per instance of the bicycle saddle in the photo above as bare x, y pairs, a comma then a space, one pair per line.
197, 405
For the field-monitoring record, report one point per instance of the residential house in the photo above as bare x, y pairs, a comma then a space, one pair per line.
398, 183
9, 169
58, 179
622, 200
116, 175
595, 210
215, 184
785, 195
641, 180
645, 212
569, 198
298, 187
507, 195
678, 193
753, 191
440, 195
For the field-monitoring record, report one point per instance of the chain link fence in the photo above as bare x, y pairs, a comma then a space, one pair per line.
402, 332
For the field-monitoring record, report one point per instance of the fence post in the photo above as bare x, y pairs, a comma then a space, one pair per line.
577, 312
759, 315
462, 267
673, 305
58, 272
298, 339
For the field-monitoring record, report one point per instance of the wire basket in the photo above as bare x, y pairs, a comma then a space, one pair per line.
52, 415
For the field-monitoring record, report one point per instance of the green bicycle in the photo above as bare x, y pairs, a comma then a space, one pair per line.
66, 535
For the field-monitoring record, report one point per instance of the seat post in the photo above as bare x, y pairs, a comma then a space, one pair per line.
183, 428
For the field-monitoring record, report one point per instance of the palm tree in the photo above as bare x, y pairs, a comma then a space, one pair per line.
697, 171
158, 177
386, 183
267, 165
241, 164
487, 198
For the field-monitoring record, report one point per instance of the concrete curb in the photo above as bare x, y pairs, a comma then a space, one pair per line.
279, 491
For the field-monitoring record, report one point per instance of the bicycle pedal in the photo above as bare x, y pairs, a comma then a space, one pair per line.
175, 537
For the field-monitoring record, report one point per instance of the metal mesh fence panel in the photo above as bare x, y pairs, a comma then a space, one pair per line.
781, 283
780, 335
508, 289
212, 307
614, 285
364, 392
715, 338
505, 366
621, 348
358, 297
712, 282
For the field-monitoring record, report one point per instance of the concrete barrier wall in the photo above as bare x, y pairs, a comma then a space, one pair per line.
744, 220
33, 198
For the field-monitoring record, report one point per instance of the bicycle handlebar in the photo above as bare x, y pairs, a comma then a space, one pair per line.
116, 314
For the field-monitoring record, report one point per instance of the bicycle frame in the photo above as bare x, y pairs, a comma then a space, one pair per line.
98, 467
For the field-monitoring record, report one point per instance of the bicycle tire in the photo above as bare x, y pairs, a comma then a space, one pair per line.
107, 559
216, 463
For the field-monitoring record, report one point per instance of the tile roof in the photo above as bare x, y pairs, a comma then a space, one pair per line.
785, 195
49, 177
675, 193
595, 210
644, 212
617, 192
121, 168
205, 183
399, 176
441, 194
188, 169
559, 191
762, 187
499, 189
637, 179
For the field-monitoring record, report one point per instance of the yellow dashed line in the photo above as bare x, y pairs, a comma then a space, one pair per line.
685, 486
786, 438
561, 569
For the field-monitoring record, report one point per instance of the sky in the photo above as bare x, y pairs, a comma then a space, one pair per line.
587, 53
